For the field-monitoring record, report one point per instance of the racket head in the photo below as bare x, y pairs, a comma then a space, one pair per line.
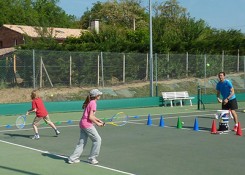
20, 121
119, 119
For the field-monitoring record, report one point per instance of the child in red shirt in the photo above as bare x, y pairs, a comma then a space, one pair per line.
41, 113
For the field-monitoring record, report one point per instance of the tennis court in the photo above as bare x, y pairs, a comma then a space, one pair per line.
136, 148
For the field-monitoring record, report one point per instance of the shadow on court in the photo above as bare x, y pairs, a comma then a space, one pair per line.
29, 136
54, 156
19, 135
18, 170
200, 128
61, 157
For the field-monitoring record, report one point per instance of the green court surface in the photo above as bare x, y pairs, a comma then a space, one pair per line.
136, 148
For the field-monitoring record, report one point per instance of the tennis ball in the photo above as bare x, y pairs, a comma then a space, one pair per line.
51, 95
183, 123
208, 64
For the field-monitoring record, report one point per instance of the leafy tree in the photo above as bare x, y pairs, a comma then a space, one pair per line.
122, 13
173, 28
90, 15
215, 41
50, 15
124, 27
43, 13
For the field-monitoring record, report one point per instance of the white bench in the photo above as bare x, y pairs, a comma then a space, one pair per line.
172, 96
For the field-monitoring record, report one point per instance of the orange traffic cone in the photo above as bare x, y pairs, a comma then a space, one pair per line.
239, 130
213, 129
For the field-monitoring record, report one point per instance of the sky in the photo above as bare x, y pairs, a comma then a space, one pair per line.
219, 14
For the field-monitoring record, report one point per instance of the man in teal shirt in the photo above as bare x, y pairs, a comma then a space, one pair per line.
229, 102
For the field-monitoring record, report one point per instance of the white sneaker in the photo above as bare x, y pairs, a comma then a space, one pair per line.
74, 161
93, 161
57, 132
36, 137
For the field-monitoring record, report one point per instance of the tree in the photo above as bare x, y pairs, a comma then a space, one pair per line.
215, 41
124, 13
173, 27
50, 15
43, 13
90, 15
124, 27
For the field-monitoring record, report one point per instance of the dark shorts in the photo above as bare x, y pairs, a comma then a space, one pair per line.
231, 105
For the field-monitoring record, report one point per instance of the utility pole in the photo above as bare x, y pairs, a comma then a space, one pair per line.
151, 51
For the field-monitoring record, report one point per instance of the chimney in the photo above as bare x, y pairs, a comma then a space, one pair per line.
95, 25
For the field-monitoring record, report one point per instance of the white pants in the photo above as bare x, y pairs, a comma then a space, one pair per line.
86, 133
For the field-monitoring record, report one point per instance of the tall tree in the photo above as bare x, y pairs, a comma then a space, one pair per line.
122, 13
52, 15
35, 13
167, 20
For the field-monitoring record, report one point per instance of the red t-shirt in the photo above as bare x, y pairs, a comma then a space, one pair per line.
37, 103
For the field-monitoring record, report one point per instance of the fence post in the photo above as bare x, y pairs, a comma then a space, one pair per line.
238, 61
33, 67
102, 69
70, 69
156, 73
41, 73
168, 65
244, 70
205, 71
98, 70
124, 67
222, 63
146, 71
187, 63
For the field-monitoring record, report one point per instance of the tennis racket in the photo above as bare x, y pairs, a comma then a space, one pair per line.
119, 119
20, 121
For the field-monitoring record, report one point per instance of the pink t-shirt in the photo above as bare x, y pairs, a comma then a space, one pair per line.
85, 122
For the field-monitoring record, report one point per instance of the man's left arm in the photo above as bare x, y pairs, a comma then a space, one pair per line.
231, 94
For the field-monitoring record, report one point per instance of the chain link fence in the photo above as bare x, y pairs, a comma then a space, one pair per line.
42, 69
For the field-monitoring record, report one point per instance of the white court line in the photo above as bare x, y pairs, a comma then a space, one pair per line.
46, 152
132, 122
141, 115
10, 130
